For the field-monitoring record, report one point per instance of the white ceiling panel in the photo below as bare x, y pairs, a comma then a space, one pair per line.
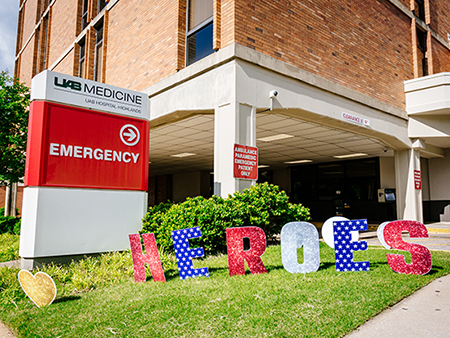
312, 142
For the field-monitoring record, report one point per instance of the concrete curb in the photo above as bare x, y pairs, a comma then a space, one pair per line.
13, 264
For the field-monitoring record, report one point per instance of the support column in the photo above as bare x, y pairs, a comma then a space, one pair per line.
409, 199
233, 123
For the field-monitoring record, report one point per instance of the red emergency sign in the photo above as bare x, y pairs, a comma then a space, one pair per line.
81, 148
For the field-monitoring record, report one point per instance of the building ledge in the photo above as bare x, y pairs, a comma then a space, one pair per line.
237, 51
428, 95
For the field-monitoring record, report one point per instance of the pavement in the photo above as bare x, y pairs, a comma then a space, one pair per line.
4, 332
425, 313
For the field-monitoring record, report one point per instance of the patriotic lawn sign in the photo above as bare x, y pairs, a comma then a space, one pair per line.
185, 254
237, 255
294, 235
421, 256
344, 246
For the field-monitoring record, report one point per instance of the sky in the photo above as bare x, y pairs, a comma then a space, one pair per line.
9, 10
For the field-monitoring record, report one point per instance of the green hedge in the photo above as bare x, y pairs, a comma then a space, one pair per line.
262, 205
9, 224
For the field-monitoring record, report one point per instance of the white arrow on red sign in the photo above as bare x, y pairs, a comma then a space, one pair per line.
132, 133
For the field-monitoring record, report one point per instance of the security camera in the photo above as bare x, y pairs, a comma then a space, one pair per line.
385, 150
272, 94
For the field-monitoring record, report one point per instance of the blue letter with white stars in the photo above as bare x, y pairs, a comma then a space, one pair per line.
344, 246
185, 254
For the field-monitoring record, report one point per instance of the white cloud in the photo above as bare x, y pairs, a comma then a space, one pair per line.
9, 10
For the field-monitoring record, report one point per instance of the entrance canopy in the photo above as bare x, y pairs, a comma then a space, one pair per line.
188, 144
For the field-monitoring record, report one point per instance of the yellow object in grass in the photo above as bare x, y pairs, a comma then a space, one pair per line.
40, 288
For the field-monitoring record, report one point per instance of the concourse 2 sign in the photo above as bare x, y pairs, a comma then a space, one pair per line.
86, 172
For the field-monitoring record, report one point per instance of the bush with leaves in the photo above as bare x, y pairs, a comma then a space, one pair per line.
9, 224
262, 205
197, 211
265, 206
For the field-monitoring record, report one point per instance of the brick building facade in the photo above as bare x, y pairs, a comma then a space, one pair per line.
208, 67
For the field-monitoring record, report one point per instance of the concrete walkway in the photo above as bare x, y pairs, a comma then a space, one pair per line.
426, 313
4, 332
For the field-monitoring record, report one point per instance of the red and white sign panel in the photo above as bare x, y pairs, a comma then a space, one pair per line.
245, 162
417, 180
356, 119
79, 148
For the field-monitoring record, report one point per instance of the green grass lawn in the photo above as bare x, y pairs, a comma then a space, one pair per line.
9, 247
98, 298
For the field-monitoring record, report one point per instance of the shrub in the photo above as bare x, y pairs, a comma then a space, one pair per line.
9, 224
265, 206
262, 205
197, 211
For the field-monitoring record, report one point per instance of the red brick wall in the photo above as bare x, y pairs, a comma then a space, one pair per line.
407, 3
440, 17
364, 45
66, 64
441, 58
26, 63
64, 20
142, 42
227, 20
30, 8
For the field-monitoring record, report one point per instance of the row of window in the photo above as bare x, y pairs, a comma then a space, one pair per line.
98, 54
90, 9
41, 37
199, 35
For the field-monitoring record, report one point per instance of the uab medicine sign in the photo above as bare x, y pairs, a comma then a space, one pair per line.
86, 171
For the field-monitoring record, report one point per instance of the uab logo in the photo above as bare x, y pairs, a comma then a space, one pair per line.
74, 85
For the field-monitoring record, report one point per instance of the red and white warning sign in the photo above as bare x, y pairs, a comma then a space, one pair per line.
245, 162
417, 180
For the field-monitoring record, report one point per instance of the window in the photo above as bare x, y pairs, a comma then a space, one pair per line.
37, 48
199, 30
82, 61
419, 10
84, 14
422, 51
101, 5
44, 54
98, 63
91, 49
44, 5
